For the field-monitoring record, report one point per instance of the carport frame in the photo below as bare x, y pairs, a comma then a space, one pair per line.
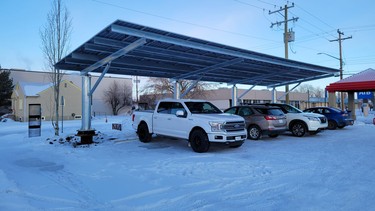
131, 49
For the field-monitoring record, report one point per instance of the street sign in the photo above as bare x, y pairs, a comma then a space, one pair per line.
365, 95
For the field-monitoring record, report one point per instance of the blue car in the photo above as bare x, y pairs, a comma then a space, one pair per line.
336, 117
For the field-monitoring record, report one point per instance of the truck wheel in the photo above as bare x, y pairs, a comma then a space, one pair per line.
199, 141
254, 132
298, 129
143, 133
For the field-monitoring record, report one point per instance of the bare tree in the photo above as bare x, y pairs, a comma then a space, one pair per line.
55, 37
163, 86
313, 91
118, 96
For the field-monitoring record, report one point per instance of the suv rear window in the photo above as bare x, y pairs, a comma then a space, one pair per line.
275, 112
270, 111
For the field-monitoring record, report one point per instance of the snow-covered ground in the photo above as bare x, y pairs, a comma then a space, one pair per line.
333, 170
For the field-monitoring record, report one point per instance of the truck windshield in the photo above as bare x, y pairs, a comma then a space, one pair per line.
202, 107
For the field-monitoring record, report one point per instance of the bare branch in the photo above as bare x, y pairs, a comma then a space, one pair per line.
55, 36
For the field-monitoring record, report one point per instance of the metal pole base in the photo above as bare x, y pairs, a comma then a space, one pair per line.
86, 136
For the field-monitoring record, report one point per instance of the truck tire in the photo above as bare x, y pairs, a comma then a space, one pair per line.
298, 129
143, 133
254, 132
199, 141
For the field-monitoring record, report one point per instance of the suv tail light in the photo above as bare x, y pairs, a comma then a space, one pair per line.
269, 117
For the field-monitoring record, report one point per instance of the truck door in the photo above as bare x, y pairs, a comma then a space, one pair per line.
165, 121
179, 126
160, 118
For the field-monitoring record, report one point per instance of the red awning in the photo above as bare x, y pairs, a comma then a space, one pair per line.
363, 81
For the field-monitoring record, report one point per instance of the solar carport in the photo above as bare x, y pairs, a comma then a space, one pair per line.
130, 49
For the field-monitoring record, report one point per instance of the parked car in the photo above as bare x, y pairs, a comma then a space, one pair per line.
336, 117
298, 122
261, 120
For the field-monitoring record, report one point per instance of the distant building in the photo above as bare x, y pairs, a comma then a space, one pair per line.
26, 93
99, 107
222, 98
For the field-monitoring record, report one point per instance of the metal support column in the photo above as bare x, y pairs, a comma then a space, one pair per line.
234, 95
274, 95
86, 102
86, 133
176, 90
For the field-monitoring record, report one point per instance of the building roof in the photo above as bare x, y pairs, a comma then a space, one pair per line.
133, 49
33, 89
363, 81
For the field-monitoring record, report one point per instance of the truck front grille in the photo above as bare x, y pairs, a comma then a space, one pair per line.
234, 126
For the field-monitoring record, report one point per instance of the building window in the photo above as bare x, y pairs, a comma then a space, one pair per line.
65, 85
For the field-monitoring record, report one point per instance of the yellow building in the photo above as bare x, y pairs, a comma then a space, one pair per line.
25, 94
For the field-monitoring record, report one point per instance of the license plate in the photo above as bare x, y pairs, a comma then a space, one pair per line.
237, 138
281, 121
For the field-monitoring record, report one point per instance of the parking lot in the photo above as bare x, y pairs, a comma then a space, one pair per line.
328, 171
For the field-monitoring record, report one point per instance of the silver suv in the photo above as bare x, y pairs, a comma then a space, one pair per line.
261, 120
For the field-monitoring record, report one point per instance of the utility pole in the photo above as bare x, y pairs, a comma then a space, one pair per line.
340, 39
288, 36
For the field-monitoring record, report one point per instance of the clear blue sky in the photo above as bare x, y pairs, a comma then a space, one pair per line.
241, 23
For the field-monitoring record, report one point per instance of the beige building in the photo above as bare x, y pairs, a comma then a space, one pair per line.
99, 107
222, 98
26, 93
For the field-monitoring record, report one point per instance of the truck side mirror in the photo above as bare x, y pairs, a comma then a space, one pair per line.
180, 113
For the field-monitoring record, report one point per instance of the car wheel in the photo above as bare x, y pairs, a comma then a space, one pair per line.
299, 129
143, 133
254, 132
199, 141
273, 135
332, 125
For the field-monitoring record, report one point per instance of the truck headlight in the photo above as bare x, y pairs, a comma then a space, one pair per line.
216, 126
311, 118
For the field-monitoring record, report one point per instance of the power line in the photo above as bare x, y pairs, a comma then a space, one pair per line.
184, 22
315, 17
252, 5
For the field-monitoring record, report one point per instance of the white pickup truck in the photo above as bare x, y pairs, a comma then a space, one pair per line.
198, 121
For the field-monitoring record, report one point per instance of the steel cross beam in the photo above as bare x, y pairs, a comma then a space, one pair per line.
190, 44
114, 56
288, 91
210, 68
